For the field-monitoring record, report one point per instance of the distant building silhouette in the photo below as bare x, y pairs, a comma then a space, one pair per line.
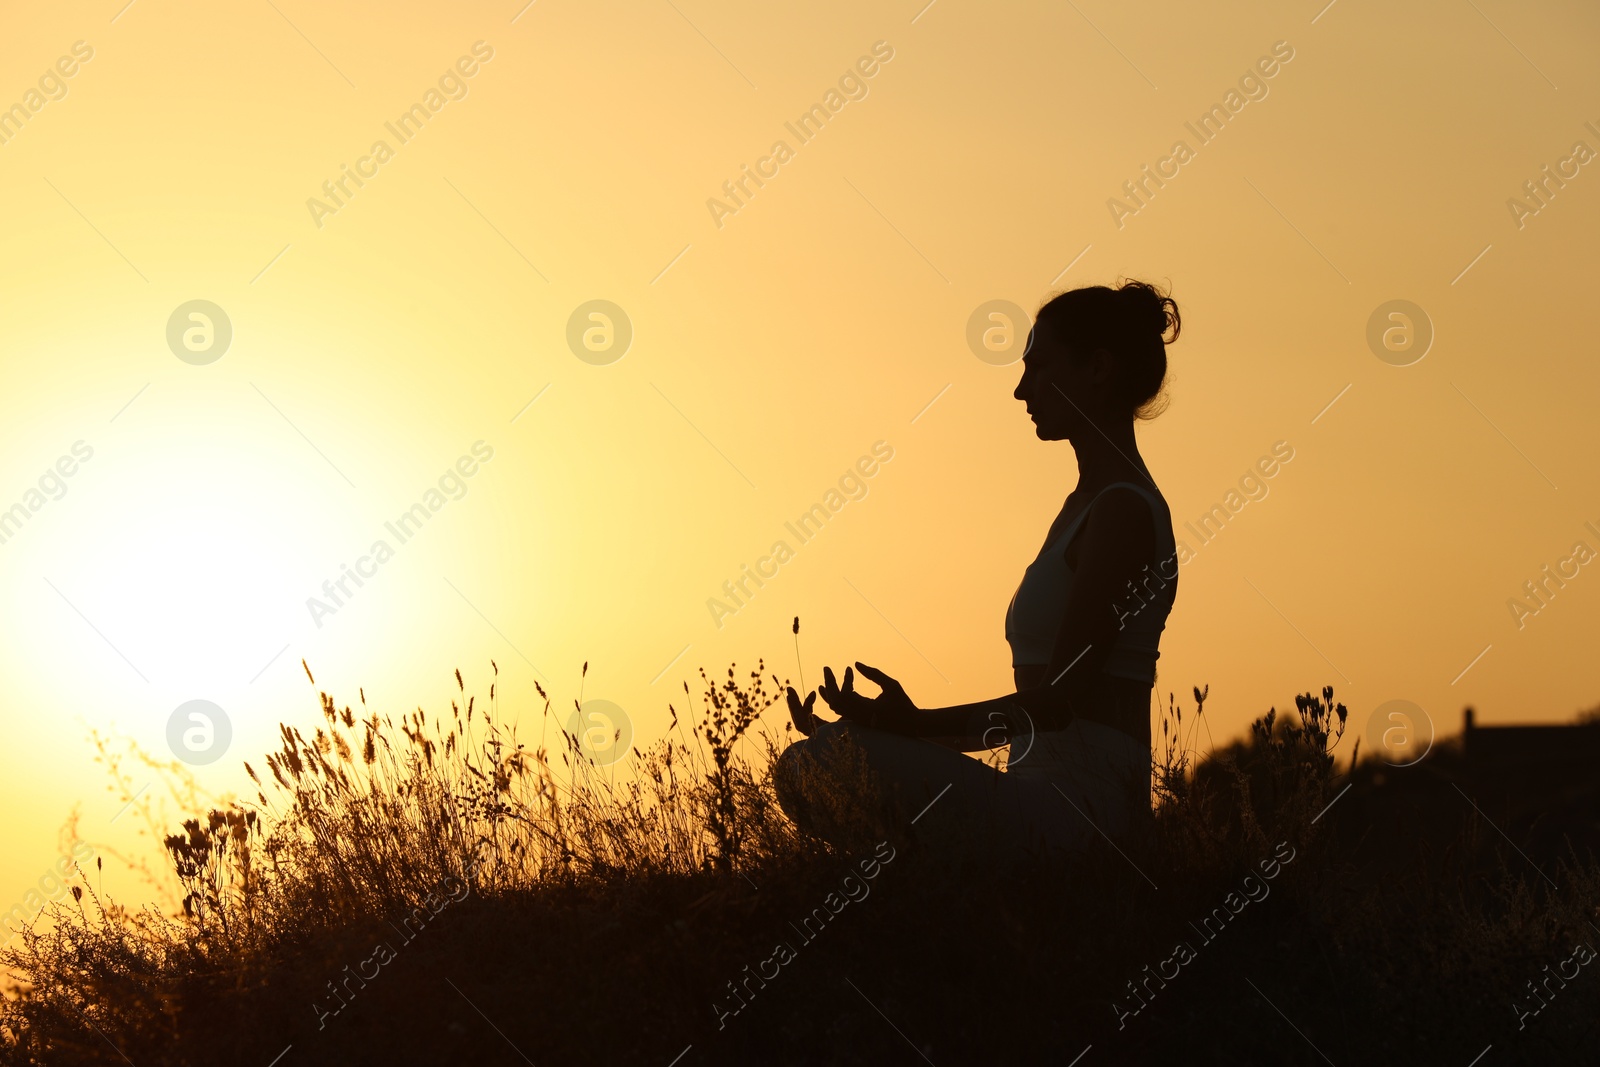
1546, 749
1542, 780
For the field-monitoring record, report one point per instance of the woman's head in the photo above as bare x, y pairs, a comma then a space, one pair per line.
1098, 354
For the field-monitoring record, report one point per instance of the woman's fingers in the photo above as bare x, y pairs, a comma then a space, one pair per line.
872, 672
800, 713
829, 688
843, 698
878, 676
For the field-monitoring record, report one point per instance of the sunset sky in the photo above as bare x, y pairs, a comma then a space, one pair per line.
393, 335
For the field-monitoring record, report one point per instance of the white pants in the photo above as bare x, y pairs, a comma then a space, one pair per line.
1068, 787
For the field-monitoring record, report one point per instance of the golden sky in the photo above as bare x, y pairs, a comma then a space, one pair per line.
404, 341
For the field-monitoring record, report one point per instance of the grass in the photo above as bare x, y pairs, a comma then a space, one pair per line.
431, 889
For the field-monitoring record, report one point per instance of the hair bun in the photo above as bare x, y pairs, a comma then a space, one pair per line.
1152, 309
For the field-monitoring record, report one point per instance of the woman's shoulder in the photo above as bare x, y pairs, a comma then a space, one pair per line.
1127, 501
1130, 510
1131, 497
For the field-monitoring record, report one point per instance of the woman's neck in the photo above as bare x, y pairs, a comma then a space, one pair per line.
1109, 454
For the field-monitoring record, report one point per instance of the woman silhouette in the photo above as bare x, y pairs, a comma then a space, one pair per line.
1084, 625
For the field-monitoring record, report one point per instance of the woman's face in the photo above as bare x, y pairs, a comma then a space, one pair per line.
1060, 392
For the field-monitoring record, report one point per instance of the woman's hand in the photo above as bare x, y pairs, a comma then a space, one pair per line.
800, 713
890, 710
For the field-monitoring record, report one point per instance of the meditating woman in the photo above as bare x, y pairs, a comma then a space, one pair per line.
1084, 625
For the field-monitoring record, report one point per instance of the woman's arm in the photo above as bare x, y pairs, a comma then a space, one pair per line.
1117, 542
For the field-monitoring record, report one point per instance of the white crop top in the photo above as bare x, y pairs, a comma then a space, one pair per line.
1034, 618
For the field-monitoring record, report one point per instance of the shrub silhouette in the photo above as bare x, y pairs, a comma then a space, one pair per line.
641, 899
